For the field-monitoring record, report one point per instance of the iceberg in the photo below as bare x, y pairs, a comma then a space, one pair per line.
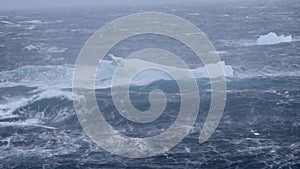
273, 38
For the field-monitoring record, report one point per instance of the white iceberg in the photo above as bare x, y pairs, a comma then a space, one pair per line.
273, 38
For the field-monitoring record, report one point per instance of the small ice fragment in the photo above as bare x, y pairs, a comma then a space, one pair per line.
187, 149
256, 134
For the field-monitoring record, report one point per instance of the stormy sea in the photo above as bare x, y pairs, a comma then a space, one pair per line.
257, 41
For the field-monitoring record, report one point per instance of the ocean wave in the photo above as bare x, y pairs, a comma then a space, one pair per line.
33, 47
9, 24
49, 85
38, 76
37, 21
41, 47
28, 122
44, 107
31, 27
6, 22
55, 105
57, 50
12, 104
61, 76
267, 74
34, 22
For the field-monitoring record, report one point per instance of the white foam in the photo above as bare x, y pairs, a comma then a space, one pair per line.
41, 47
36, 47
56, 50
37, 21
273, 38
44, 77
218, 52
50, 80
12, 104
28, 122
9, 24
193, 14
32, 27
6, 22
31, 47
60, 77
34, 22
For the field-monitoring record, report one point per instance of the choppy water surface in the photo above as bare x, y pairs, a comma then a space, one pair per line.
260, 127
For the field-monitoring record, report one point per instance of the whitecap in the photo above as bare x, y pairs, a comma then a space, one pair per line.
6, 22
28, 122
56, 50
218, 52
13, 104
35, 46
31, 27
9, 24
31, 47
193, 14
34, 22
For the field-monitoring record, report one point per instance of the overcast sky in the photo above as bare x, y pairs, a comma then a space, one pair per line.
17, 4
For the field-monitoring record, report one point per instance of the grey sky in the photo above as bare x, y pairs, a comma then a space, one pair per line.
17, 4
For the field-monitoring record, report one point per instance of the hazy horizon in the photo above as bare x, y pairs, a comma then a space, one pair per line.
27, 4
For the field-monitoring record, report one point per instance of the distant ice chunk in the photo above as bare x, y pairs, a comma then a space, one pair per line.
255, 133
201, 72
188, 150
273, 38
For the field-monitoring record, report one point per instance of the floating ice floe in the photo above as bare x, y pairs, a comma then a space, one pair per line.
256, 134
273, 38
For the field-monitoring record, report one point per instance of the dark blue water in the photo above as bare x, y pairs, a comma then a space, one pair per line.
260, 127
